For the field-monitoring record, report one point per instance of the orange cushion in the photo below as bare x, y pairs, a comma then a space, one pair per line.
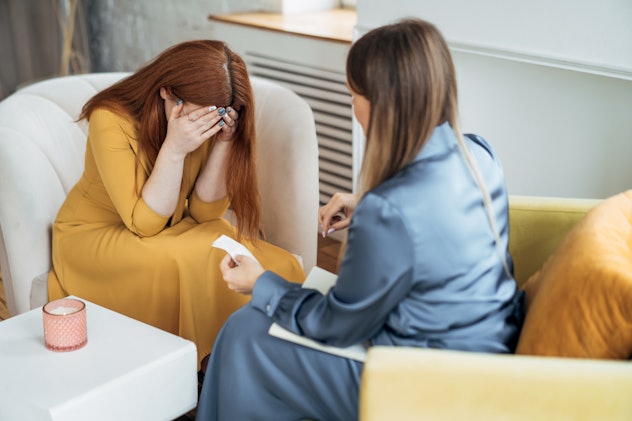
580, 302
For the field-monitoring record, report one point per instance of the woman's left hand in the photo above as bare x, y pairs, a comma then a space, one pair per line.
240, 276
228, 124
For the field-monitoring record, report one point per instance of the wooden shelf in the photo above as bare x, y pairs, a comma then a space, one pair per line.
334, 25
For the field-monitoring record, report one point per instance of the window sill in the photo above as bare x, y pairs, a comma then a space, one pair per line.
334, 25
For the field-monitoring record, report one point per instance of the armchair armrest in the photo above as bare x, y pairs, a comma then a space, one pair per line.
413, 383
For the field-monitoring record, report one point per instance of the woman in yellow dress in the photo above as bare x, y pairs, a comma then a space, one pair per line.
169, 149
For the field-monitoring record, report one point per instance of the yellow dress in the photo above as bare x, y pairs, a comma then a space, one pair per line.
110, 248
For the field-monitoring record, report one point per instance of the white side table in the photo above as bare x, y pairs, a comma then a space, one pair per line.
128, 370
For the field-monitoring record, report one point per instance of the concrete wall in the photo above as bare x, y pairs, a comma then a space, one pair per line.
126, 34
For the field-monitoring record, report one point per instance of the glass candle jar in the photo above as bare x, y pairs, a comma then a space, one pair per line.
65, 324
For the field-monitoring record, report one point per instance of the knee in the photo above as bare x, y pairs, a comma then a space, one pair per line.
246, 325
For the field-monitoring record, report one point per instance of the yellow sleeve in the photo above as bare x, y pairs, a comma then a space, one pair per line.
114, 145
207, 211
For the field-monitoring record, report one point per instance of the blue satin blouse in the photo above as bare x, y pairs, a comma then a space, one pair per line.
421, 267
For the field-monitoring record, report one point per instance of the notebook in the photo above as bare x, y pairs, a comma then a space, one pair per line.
321, 280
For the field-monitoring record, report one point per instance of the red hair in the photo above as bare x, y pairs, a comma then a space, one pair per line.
198, 72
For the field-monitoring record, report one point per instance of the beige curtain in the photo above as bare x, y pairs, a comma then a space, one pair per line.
32, 38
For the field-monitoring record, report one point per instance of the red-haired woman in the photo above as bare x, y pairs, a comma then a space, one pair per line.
169, 148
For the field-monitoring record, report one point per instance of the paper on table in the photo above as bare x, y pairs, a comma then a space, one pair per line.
232, 247
321, 280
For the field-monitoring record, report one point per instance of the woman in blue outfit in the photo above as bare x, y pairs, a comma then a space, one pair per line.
426, 261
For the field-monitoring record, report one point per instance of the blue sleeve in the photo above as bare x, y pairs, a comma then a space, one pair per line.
375, 275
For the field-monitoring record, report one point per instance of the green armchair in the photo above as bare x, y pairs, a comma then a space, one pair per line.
412, 384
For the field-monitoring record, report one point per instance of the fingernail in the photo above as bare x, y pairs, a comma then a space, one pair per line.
221, 111
330, 230
179, 102
213, 108
228, 109
221, 123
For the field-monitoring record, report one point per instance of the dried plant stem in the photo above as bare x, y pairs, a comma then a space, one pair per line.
68, 28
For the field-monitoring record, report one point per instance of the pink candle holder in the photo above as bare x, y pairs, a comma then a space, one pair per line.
65, 326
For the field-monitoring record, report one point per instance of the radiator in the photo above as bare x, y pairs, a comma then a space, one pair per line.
326, 93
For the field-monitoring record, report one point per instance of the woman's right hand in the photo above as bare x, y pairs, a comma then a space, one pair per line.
336, 214
240, 275
187, 132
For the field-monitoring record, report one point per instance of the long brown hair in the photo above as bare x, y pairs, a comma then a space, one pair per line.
406, 72
198, 72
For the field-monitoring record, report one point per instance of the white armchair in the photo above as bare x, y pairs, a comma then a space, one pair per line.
41, 157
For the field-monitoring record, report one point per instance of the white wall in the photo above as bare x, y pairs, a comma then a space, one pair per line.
557, 132
549, 84
583, 32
